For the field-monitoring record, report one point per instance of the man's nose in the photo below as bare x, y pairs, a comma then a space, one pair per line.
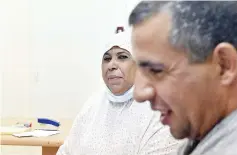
143, 91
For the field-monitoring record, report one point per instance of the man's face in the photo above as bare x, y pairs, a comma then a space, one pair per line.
185, 93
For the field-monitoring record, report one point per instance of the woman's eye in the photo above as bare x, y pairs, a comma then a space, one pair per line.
122, 57
107, 59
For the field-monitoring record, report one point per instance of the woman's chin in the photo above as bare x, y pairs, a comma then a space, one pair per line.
116, 89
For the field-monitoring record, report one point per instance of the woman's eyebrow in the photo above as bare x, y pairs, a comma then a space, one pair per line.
123, 52
106, 54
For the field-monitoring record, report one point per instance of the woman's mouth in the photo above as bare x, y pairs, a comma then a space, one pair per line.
114, 79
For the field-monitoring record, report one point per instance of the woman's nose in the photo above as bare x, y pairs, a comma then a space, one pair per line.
112, 65
143, 91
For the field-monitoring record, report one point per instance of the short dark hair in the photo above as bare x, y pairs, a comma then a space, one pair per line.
197, 26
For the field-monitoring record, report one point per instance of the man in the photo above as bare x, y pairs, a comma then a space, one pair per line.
187, 68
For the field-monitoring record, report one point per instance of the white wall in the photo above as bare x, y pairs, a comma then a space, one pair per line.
14, 44
51, 53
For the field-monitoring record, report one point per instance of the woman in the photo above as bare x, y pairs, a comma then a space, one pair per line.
112, 123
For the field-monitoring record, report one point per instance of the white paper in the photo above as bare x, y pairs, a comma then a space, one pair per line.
37, 133
12, 129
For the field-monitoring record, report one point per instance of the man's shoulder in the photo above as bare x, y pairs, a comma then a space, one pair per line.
219, 142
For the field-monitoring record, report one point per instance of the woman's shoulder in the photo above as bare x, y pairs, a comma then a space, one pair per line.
96, 96
92, 102
143, 112
145, 107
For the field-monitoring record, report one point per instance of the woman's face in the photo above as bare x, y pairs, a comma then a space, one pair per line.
118, 70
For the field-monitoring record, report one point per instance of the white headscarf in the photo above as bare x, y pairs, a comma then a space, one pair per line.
122, 40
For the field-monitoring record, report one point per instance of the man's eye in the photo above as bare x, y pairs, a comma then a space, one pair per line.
156, 71
122, 57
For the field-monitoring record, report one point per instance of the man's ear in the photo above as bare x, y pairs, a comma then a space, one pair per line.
226, 56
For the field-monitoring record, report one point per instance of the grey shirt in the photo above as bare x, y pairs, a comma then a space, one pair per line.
222, 139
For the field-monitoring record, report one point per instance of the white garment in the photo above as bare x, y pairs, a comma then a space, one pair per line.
106, 127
